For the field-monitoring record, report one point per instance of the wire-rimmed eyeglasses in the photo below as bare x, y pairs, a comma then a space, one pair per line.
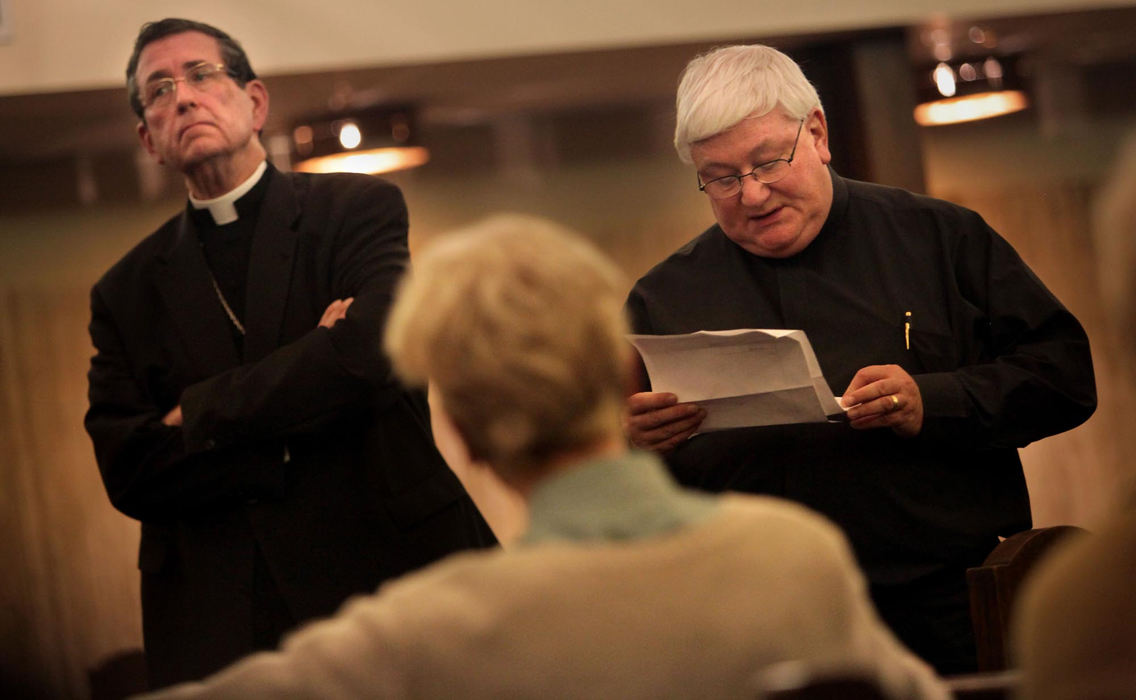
204, 76
766, 173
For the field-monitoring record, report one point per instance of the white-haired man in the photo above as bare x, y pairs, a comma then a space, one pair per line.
624, 585
952, 352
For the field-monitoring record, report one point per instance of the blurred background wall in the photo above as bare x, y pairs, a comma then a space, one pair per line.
558, 109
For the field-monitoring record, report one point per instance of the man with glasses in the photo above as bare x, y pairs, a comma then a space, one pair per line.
952, 352
240, 405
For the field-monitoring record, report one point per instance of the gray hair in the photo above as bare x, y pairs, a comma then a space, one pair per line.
518, 325
720, 88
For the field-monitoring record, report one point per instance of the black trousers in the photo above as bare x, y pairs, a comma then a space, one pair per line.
931, 616
264, 622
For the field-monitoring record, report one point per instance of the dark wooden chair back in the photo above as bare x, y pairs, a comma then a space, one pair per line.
994, 587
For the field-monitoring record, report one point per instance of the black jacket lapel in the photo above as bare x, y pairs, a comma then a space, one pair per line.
270, 267
185, 286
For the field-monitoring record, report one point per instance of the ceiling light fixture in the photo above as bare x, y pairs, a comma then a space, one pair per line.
373, 139
970, 90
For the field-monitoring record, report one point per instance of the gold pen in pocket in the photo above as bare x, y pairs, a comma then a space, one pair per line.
907, 329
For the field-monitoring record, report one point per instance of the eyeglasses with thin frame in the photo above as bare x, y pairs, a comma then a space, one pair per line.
204, 76
766, 173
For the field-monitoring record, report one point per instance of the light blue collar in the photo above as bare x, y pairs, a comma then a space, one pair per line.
621, 498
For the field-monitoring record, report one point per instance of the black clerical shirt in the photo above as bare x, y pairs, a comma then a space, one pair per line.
998, 360
228, 247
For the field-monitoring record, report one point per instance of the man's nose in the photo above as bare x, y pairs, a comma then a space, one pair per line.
186, 97
753, 191
186, 92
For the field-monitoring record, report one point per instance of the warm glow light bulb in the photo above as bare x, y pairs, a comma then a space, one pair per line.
350, 136
378, 160
970, 107
944, 80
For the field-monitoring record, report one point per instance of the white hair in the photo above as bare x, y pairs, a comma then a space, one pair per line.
722, 87
518, 324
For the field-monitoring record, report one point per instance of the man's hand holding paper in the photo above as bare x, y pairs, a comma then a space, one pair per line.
656, 421
727, 379
884, 396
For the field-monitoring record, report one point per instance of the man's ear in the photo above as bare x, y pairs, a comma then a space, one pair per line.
258, 93
147, 142
817, 127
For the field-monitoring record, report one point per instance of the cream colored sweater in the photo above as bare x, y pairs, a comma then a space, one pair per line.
694, 612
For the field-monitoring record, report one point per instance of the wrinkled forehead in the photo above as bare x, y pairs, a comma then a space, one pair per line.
749, 136
171, 55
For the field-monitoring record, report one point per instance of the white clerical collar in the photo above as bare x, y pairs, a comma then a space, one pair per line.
224, 208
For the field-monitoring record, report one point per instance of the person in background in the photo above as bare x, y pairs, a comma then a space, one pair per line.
240, 406
950, 353
624, 584
1074, 628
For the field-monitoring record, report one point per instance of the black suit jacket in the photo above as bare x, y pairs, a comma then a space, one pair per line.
305, 449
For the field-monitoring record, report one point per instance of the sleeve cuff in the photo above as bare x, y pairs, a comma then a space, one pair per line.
946, 414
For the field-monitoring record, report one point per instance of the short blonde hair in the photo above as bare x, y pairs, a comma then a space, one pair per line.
724, 86
519, 326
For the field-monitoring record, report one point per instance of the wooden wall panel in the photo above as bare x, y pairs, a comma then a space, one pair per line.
70, 587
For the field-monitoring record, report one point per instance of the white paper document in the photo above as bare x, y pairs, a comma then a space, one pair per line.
745, 377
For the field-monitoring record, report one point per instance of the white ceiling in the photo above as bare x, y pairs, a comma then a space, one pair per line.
56, 124
69, 45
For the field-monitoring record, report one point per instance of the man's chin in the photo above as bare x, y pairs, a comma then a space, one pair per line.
198, 155
771, 244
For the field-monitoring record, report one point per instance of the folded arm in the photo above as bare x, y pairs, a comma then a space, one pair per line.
224, 437
141, 455
329, 371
